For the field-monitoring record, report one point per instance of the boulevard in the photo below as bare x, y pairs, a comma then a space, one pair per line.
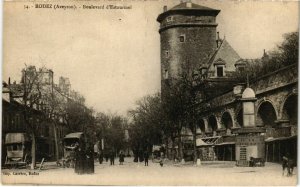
131, 173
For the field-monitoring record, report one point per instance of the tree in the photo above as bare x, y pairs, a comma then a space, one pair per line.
146, 126
31, 99
179, 101
283, 55
110, 128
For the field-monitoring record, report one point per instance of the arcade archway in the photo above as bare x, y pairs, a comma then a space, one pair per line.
266, 114
290, 110
227, 122
213, 124
201, 126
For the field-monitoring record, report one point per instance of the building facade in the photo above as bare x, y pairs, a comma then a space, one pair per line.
189, 39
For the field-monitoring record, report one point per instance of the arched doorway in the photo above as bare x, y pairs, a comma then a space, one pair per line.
213, 124
226, 122
266, 115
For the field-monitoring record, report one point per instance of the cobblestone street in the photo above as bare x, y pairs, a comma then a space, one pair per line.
209, 173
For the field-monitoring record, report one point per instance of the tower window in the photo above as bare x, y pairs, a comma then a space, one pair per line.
170, 18
167, 54
182, 38
220, 72
166, 74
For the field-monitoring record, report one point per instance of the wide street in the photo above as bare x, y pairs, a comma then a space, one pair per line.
209, 173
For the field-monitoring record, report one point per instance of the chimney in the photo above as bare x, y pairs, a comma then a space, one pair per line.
165, 8
189, 4
218, 39
8, 80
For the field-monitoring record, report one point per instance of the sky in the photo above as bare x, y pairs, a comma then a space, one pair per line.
112, 57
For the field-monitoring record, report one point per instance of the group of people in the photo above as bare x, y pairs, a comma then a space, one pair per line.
84, 161
111, 156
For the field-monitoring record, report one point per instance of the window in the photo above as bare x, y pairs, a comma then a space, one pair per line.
166, 74
167, 54
170, 18
220, 71
241, 68
182, 38
199, 19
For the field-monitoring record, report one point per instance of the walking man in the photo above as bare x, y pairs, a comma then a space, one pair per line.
112, 157
146, 157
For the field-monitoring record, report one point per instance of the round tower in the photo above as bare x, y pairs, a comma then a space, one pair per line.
187, 37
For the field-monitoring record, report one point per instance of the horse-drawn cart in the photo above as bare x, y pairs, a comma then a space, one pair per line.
71, 143
18, 149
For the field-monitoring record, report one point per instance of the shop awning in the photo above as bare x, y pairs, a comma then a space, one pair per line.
207, 141
280, 138
74, 135
226, 143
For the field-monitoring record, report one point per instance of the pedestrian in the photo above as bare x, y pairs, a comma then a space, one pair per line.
161, 162
121, 157
100, 157
106, 156
112, 158
79, 163
146, 157
90, 161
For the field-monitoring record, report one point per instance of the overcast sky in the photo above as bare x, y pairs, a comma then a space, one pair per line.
112, 56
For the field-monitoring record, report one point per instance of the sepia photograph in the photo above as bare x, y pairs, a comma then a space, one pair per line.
150, 92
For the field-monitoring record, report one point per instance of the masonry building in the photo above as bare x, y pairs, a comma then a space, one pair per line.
189, 39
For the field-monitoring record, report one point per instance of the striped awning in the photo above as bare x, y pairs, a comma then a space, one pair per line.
16, 138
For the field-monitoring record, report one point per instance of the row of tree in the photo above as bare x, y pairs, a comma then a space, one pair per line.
37, 92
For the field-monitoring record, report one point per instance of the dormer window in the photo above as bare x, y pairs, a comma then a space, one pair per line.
240, 65
219, 68
220, 71
241, 68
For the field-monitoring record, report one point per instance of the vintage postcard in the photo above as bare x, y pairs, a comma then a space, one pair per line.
150, 92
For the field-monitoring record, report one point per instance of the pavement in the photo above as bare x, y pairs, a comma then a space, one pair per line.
131, 173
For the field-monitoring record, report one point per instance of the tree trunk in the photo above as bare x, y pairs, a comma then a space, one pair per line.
167, 147
33, 150
195, 148
180, 151
56, 143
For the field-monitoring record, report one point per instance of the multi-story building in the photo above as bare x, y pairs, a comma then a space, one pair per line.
189, 39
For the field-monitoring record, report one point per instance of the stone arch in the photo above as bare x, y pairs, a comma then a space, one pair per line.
213, 123
266, 114
201, 125
227, 122
289, 109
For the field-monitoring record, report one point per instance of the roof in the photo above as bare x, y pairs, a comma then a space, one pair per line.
224, 53
74, 135
185, 8
16, 138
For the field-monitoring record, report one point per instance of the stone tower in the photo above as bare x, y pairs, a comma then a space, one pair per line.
187, 36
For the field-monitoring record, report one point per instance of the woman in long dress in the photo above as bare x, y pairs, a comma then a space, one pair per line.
79, 161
